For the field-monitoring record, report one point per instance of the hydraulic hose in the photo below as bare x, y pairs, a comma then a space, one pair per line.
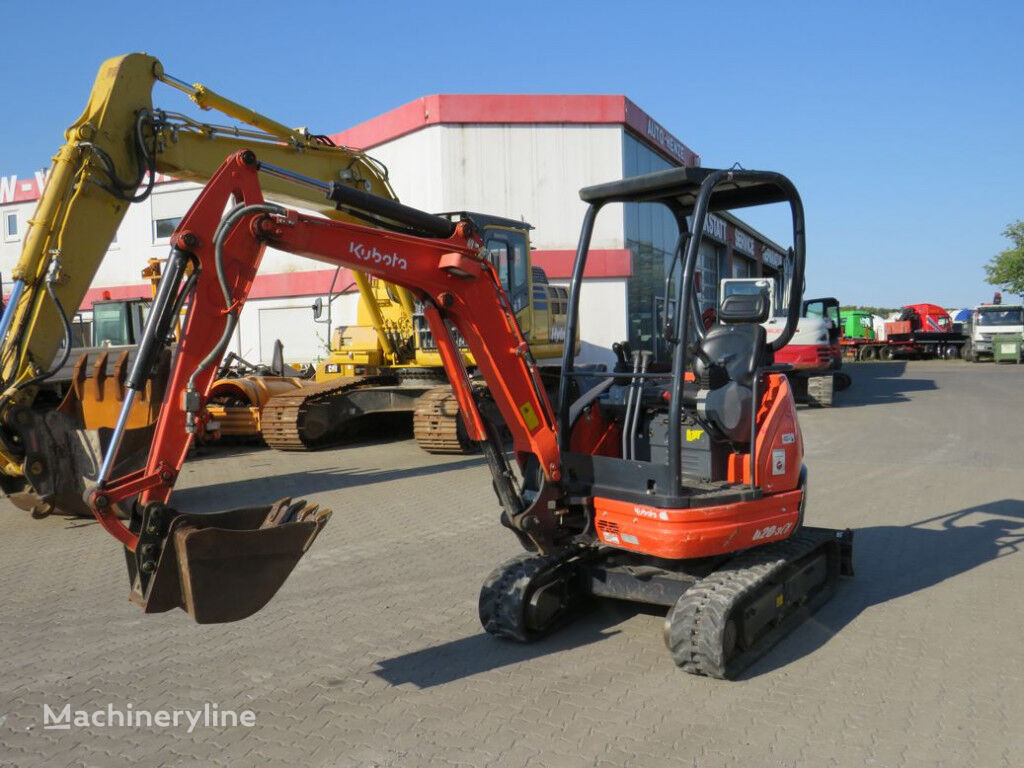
228, 223
145, 156
645, 360
68, 334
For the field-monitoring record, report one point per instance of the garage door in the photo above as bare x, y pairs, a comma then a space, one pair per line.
295, 328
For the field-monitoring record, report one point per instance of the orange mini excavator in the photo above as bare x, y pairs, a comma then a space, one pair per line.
679, 484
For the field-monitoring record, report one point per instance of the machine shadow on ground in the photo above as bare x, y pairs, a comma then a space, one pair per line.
890, 561
376, 429
264, 490
880, 383
895, 561
475, 654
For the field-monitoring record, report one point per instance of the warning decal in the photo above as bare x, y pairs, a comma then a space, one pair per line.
779, 461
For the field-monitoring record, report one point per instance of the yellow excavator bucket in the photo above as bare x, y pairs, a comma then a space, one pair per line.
64, 447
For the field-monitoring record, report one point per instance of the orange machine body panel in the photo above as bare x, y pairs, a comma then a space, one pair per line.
677, 534
596, 434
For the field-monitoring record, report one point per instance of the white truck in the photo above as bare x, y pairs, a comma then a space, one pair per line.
988, 320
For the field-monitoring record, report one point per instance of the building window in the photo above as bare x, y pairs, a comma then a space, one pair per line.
10, 226
164, 228
651, 233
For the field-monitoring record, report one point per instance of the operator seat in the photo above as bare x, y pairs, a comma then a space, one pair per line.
738, 341
726, 361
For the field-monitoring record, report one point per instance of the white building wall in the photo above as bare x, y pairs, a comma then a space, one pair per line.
534, 173
290, 320
526, 172
603, 318
529, 172
414, 164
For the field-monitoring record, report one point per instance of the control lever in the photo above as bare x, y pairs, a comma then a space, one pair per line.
630, 393
645, 361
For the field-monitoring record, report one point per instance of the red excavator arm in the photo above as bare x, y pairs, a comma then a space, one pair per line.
450, 275
725, 547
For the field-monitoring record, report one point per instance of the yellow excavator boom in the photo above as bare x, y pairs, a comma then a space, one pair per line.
111, 156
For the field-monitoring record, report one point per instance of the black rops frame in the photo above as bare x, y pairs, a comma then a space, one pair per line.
686, 192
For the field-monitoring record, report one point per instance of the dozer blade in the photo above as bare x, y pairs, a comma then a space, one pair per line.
64, 447
219, 567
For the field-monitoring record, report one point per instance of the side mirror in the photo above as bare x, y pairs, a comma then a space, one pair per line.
318, 308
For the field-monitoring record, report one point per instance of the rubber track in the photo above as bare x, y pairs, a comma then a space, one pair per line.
696, 625
504, 593
281, 420
435, 422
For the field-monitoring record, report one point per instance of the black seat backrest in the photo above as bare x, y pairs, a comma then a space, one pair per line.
744, 308
737, 342
740, 349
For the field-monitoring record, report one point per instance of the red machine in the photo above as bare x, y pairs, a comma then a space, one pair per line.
929, 318
681, 485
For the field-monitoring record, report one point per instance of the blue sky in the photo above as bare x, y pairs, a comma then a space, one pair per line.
902, 123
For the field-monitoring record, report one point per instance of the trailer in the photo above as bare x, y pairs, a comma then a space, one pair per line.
922, 332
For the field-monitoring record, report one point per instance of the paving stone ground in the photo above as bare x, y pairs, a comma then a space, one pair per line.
372, 655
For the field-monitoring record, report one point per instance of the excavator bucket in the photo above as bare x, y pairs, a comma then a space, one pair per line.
64, 448
219, 567
234, 406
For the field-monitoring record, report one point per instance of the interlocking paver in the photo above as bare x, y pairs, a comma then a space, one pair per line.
372, 654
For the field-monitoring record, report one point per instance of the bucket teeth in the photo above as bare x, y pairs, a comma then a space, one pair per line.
309, 513
277, 509
282, 512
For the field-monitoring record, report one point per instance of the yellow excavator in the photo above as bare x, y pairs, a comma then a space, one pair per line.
111, 158
388, 361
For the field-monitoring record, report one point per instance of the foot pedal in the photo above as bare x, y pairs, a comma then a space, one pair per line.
219, 567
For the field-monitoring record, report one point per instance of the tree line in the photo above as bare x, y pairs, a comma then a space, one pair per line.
883, 311
1006, 268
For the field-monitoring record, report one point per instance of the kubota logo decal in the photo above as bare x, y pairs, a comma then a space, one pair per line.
371, 254
650, 513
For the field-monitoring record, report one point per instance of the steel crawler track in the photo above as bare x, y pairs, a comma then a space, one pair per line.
288, 423
435, 422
